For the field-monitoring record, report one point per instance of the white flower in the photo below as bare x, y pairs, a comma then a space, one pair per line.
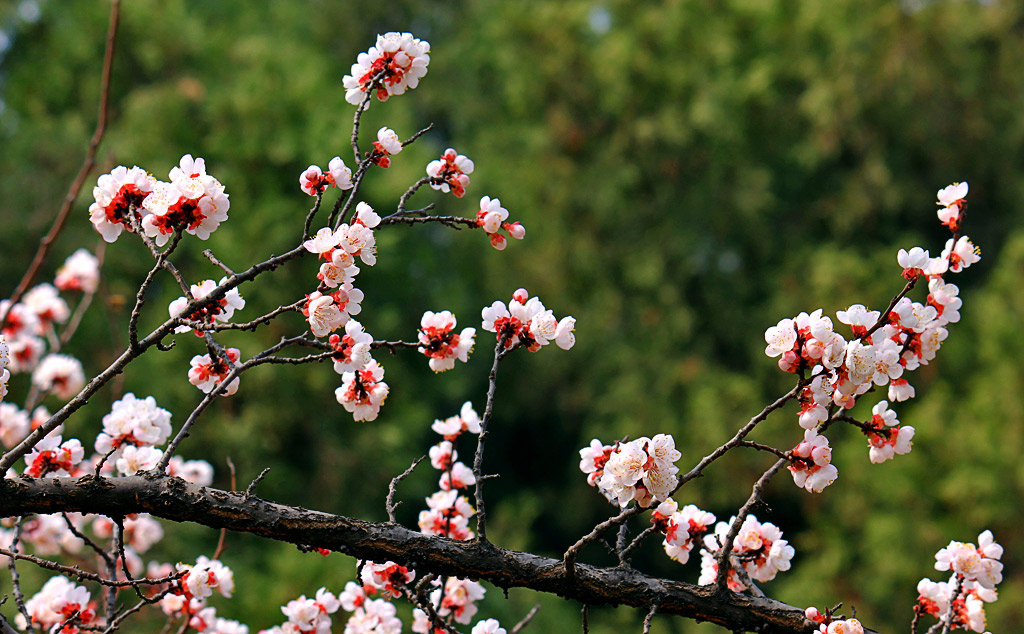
780, 338
134, 459
389, 141
61, 374
80, 272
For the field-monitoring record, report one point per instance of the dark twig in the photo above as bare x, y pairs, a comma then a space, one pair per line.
252, 485
724, 556
216, 262
83, 172
569, 558
649, 618
624, 555
760, 447
455, 222
389, 504
88, 542
585, 617
500, 351
12, 554
523, 622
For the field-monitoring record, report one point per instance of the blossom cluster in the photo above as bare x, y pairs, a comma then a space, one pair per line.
192, 201
828, 625
525, 321
492, 218
758, 549
448, 511
882, 348
314, 180
641, 469
960, 601
218, 311
187, 596
394, 64
59, 602
450, 173
440, 343
682, 528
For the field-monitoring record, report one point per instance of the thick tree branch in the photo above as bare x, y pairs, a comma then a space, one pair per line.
176, 500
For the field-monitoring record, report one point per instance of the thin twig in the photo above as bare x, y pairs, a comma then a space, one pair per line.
83, 172
523, 622
500, 351
252, 485
649, 618
12, 554
389, 504
724, 556
216, 262
624, 555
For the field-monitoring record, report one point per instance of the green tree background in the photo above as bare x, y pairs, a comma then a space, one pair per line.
689, 173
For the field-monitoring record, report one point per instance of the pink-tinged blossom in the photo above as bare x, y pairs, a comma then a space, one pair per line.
387, 578
846, 626
366, 216
951, 202
467, 420
351, 350
311, 616
312, 181
25, 352
946, 301
206, 373
641, 469
323, 314
442, 455
134, 421
193, 202
886, 438
22, 321
758, 547
491, 217
14, 424
441, 344
5, 360
115, 193
52, 608
386, 145
205, 577
358, 240
977, 563
47, 305
860, 363
50, 456
49, 534
376, 616
450, 173
195, 471
527, 322
900, 390
780, 338
962, 254
135, 459
458, 477
363, 392
447, 515
681, 528
60, 374
859, 318
80, 272
811, 463
459, 599
352, 596
141, 532
396, 63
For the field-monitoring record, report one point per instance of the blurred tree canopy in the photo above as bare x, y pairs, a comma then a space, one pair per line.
689, 172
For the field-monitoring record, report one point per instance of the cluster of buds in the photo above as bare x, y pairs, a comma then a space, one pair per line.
491, 217
681, 528
396, 63
441, 344
641, 469
314, 180
448, 511
758, 549
193, 202
960, 601
526, 322
450, 173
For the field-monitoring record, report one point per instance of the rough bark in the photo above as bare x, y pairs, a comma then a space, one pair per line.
176, 500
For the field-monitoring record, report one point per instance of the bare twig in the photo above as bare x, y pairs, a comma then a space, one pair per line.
252, 485
389, 504
12, 554
649, 618
83, 172
216, 262
523, 622
500, 351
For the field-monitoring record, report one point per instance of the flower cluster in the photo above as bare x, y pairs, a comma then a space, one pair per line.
441, 344
491, 217
961, 600
681, 528
456, 600
641, 469
193, 202
50, 456
828, 625
59, 602
386, 145
759, 549
134, 422
526, 322
396, 63
207, 373
448, 511
314, 181
219, 310
886, 437
811, 463
450, 173
188, 594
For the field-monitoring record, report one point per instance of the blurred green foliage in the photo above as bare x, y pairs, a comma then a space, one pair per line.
689, 173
